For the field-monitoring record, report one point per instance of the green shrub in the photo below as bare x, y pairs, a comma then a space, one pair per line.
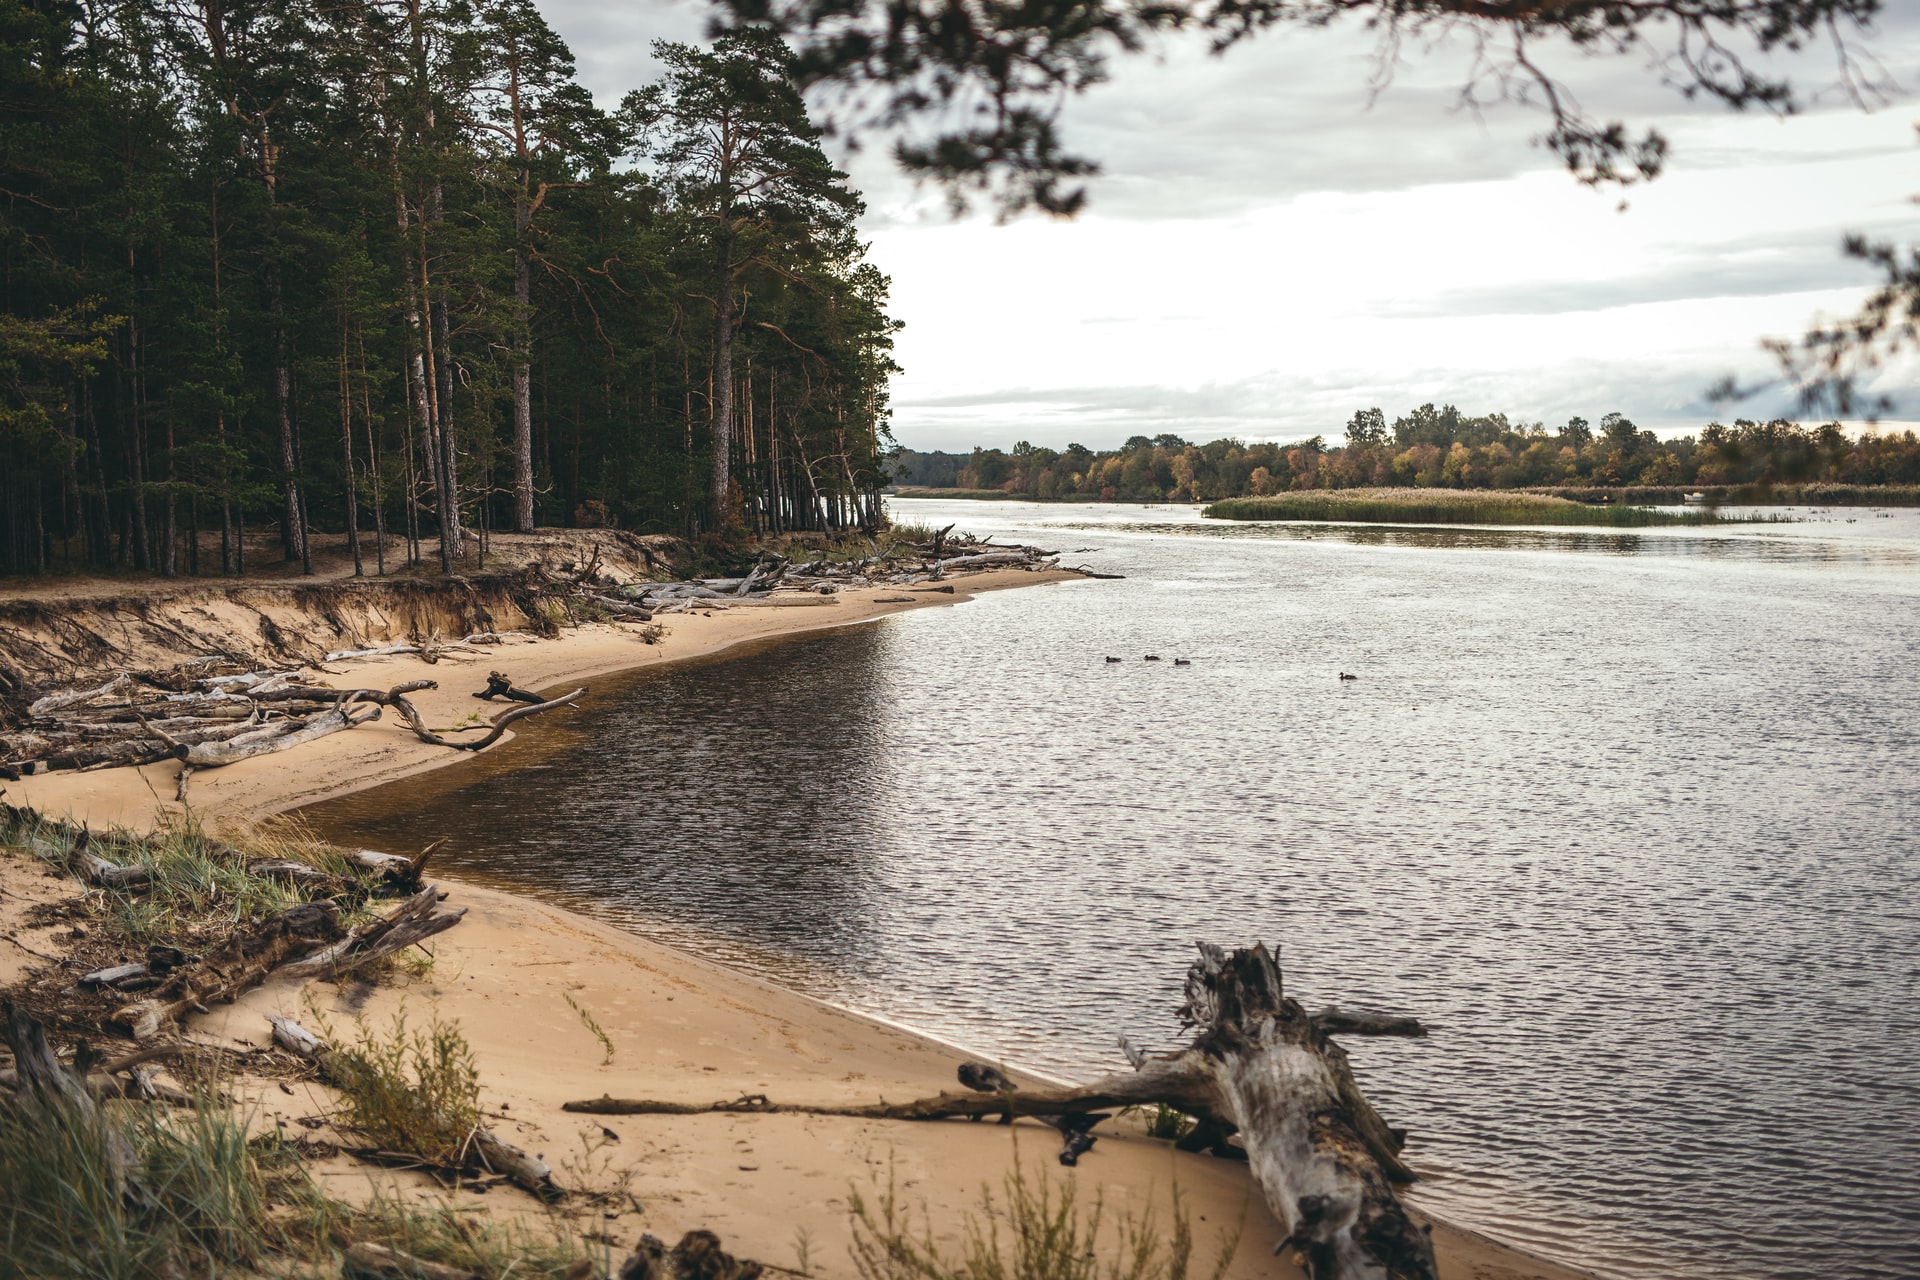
416, 1092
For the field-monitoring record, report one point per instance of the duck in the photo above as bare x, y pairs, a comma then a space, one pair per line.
1183, 662
1345, 676
1152, 657
1113, 659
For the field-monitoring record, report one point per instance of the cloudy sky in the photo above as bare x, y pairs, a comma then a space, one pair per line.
1270, 248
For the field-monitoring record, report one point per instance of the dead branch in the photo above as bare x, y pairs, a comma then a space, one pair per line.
1259, 1068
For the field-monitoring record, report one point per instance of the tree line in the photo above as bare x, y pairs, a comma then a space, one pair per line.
383, 268
1430, 448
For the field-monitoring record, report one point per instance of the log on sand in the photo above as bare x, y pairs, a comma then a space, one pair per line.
304, 941
240, 963
1260, 1068
415, 920
485, 1151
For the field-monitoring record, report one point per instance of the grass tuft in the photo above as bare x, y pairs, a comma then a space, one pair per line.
1037, 1232
592, 1024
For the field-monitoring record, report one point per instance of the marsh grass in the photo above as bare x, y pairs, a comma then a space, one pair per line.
204, 1199
1036, 1230
1168, 1124
1451, 506
415, 1091
198, 1195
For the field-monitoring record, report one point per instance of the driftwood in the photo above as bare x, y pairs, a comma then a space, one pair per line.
484, 1150
241, 963
499, 723
415, 920
220, 720
1259, 1068
279, 736
500, 685
394, 870
698, 1256
96, 870
377, 1262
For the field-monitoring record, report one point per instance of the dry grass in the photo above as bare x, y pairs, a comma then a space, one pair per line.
1037, 1230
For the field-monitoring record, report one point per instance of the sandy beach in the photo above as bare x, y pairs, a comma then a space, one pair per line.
516, 973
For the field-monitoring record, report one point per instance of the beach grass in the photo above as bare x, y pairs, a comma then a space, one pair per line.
1450, 506
1038, 1230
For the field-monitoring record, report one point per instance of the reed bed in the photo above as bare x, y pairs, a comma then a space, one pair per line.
1450, 506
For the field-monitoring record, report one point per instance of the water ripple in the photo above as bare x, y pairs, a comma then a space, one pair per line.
1635, 833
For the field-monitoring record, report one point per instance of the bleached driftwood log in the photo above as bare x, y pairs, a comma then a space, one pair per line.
304, 941
240, 963
1259, 1068
415, 920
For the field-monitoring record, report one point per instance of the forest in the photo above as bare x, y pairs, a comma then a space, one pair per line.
385, 270
1431, 448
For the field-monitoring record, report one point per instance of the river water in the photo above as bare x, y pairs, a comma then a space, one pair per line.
1628, 818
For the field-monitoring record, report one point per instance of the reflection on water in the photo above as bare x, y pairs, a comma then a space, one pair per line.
1634, 832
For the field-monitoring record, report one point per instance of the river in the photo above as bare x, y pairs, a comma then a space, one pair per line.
1628, 818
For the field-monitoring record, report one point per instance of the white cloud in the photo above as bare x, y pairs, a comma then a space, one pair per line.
1268, 250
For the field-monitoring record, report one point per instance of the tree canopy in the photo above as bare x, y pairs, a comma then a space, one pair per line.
1431, 447
385, 269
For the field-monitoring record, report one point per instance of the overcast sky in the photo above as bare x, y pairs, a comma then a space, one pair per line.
1267, 250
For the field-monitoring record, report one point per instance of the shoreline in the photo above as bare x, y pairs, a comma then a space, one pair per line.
387, 751
510, 971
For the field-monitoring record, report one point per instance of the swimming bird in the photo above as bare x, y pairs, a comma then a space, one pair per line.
1152, 657
1345, 676
1183, 662
1112, 659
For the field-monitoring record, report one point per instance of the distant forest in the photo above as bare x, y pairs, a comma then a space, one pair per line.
385, 266
1429, 448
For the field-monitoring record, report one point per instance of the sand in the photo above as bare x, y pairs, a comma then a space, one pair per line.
773, 1187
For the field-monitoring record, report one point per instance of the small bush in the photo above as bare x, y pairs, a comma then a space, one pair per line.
416, 1092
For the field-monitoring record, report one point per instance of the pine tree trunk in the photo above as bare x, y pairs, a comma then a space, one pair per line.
723, 316
346, 456
451, 542
522, 369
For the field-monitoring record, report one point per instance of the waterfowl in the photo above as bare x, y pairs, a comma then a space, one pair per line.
1183, 662
1152, 657
1111, 659
1345, 676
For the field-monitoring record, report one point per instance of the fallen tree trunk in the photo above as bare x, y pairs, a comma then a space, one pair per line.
242, 962
96, 870
278, 736
78, 697
499, 723
415, 920
1259, 1067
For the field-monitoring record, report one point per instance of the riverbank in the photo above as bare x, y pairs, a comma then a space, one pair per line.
523, 979
387, 749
